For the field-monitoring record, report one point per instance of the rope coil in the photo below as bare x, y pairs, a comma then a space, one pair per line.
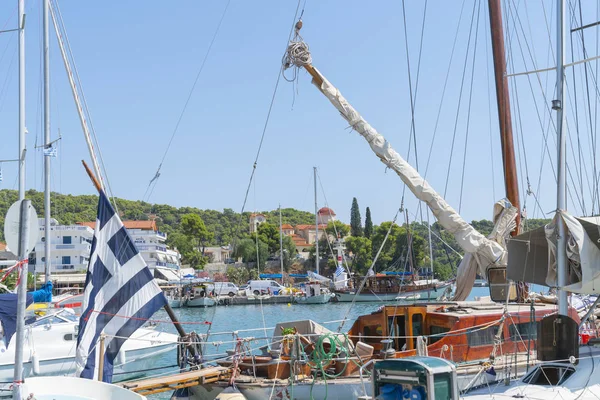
297, 54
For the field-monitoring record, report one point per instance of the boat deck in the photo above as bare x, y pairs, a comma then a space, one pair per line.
182, 380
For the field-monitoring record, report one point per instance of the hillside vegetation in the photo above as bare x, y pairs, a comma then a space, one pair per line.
214, 228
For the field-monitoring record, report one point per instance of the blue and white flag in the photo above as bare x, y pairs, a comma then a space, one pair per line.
120, 294
50, 151
339, 270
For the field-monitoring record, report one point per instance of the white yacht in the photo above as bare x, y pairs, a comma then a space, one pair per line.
551, 381
50, 344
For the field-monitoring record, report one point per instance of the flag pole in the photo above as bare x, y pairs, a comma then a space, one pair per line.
167, 307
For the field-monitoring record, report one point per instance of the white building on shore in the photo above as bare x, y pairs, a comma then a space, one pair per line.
150, 243
70, 247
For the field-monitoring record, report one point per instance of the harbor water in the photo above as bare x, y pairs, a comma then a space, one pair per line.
258, 322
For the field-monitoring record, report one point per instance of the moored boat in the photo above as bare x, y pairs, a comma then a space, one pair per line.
313, 293
386, 288
50, 349
201, 296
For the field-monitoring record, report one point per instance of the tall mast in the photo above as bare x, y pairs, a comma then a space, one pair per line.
316, 223
24, 212
409, 252
21, 22
561, 195
47, 144
281, 244
504, 116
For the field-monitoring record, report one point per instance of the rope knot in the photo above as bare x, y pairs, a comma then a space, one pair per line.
297, 54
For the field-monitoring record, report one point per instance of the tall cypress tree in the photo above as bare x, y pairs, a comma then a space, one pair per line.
355, 222
368, 224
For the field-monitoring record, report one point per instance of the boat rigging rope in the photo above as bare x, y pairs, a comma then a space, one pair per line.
70, 59
264, 131
154, 180
413, 95
462, 82
462, 180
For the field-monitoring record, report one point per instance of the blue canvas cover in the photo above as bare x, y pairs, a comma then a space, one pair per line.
8, 313
43, 294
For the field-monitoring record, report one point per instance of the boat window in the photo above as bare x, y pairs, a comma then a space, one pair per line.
69, 316
437, 330
47, 321
549, 375
442, 386
482, 337
70, 336
524, 331
417, 328
372, 333
396, 329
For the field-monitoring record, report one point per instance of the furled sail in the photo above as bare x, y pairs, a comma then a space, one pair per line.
532, 255
504, 223
485, 252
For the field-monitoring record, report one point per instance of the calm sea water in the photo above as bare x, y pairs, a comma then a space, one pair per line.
250, 321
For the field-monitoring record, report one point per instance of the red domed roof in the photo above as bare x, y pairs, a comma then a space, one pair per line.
326, 211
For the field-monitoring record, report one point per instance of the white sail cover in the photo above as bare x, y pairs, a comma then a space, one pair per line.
486, 252
532, 255
504, 223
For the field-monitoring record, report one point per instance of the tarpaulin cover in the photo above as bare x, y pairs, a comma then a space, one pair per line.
43, 294
8, 313
532, 255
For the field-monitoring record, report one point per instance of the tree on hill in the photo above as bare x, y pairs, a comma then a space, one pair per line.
246, 250
289, 252
361, 249
417, 248
386, 257
368, 224
269, 234
193, 226
335, 228
355, 222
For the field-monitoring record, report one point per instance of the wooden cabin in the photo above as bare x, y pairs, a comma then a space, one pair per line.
457, 331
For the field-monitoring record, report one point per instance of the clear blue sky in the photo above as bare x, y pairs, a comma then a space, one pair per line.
138, 60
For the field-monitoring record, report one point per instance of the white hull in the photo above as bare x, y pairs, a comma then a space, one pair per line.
318, 299
201, 302
50, 350
176, 303
74, 389
414, 295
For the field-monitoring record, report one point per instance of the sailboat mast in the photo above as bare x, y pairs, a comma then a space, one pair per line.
561, 197
504, 116
281, 244
24, 220
316, 223
21, 22
409, 248
47, 144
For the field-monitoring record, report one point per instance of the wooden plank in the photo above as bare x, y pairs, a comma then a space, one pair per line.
177, 381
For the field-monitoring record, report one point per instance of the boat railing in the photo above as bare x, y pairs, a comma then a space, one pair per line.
360, 371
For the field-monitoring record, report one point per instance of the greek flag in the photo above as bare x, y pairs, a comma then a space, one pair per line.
339, 270
50, 151
119, 295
